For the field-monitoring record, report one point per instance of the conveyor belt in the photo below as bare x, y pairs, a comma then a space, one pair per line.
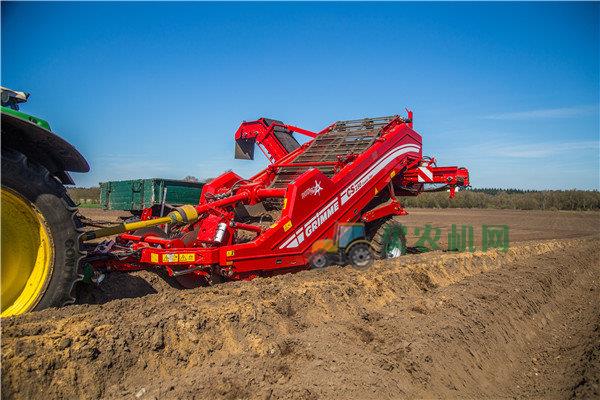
345, 138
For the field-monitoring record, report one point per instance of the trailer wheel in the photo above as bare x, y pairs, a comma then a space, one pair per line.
388, 238
40, 238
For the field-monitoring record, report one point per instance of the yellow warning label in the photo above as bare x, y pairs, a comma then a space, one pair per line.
287, 226
376, 191
170, 257
230, 253
175, 257
154, 257
284, 203
187, 257
392, 174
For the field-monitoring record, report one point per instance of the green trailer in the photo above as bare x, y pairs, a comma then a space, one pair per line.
137, 194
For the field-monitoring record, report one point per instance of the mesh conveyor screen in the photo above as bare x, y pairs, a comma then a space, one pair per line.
346, 137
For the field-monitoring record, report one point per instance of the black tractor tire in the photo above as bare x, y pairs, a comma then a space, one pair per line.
33, 183
388, 238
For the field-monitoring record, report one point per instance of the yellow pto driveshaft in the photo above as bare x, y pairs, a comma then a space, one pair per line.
181, 215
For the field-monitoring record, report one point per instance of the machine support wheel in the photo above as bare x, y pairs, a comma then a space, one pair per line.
388, 238
319, 260
360, 255
40, 238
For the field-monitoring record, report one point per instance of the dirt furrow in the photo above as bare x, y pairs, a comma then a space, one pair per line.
515, 324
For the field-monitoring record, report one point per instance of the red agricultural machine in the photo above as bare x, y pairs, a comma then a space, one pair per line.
351, 172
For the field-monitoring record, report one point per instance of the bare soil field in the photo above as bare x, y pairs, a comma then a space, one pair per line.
524, 323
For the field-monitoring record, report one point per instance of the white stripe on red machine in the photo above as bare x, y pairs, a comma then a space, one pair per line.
326, 212
424, 174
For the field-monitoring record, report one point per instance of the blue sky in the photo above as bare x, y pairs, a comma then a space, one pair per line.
509, 90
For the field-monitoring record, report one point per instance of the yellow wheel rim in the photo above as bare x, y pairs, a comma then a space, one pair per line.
26, 254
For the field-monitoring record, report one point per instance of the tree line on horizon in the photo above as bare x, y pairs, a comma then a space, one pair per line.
494, 198
509, 199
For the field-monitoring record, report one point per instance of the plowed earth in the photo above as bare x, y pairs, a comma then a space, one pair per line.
518, 324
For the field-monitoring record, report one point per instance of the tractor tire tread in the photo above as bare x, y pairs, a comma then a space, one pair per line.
46, 191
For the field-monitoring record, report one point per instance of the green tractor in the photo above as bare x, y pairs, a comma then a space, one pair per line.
40, 230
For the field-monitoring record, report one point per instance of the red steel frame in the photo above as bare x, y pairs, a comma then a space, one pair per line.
393, 164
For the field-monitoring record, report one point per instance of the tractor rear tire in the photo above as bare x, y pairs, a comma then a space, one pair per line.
388, 238
40, 238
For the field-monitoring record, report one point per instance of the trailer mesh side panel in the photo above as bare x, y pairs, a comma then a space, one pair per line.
345, 138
